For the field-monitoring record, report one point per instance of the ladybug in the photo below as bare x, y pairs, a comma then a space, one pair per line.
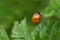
36, 18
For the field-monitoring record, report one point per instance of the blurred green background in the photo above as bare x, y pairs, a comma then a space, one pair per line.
12, 10
17, 10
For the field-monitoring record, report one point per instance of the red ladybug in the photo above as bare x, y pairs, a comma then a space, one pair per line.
36, 18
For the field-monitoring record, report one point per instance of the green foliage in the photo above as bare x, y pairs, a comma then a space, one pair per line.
19, 13
3, 34
23, 32
12, 10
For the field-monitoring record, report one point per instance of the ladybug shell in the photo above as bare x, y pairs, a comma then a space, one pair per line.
36, 18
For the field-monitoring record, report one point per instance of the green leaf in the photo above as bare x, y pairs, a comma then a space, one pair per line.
53, 9
20, 31
57, 12
3, 34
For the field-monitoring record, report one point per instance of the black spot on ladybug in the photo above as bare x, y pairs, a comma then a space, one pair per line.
36, 23
35, 18
38, 18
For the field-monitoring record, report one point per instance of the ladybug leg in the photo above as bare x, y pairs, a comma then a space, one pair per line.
35, 18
